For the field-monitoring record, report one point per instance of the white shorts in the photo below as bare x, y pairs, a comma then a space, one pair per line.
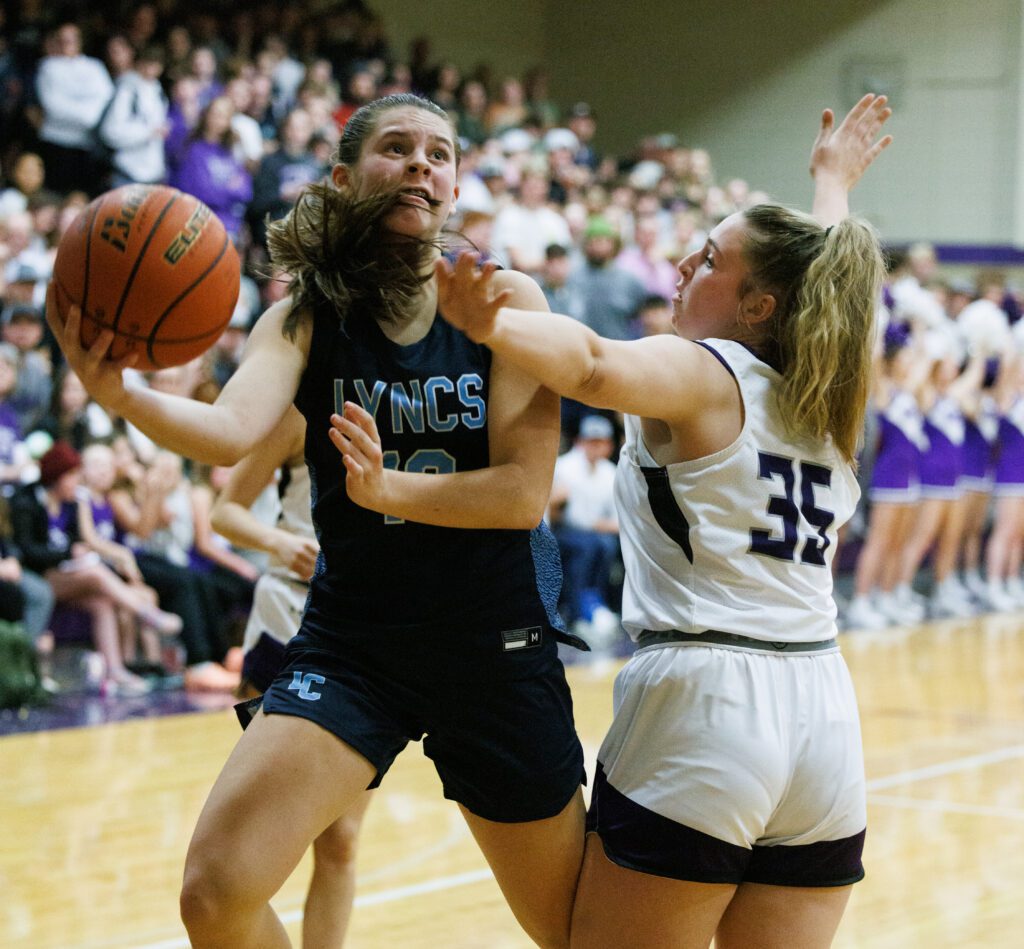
728, 765
277, 606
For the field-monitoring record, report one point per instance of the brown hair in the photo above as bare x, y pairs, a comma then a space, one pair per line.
336, 247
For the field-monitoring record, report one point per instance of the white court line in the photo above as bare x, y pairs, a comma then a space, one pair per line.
947, 767
475, 876
946, 807
370, 899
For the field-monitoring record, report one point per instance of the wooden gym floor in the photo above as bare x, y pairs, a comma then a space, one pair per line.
94, 821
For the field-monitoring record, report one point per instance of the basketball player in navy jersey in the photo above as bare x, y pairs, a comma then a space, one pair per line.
433, 617
729, 801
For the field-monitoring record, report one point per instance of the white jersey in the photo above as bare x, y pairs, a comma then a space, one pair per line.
740, 541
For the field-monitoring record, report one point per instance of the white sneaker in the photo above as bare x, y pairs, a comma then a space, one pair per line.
998, 598
946, 603
899, 614
1015, 589
861, 614
975, 584
905, 593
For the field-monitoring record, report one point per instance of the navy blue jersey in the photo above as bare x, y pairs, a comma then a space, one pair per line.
384, 577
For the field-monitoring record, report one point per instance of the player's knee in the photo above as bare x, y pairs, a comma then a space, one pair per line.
210, 896
336, 846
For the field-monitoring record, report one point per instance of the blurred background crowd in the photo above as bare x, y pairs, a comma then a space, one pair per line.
106, 539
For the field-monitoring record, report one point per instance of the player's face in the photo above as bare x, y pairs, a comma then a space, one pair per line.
410, 149
707, 300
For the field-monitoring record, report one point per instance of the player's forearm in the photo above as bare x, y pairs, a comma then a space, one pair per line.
238, 525
211, 434
831, 198
556, 350
503, 497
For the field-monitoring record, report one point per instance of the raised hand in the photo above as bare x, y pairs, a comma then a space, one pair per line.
101, 376
844, 152
466, 296
355, 435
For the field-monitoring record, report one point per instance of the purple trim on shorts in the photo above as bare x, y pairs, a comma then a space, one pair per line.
639, 839
826, 863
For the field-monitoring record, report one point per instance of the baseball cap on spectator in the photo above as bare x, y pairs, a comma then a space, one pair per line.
491, 167
561, 138
20, 312
598, 226
26, 268
516, 140
58, 461
581, 110
595, 426
555, 251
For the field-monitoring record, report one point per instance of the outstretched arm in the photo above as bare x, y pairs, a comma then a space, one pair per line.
523, 432
244, 414
841, 154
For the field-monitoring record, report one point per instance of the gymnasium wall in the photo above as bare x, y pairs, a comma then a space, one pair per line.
746, 79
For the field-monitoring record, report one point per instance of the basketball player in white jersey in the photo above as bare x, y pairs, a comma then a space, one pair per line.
729, 801
277, 607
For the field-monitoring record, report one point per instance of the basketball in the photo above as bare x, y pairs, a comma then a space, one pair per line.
153, 265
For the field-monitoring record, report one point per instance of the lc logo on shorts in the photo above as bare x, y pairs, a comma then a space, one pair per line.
303, 682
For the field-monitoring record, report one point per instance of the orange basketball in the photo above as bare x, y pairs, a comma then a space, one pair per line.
155, 266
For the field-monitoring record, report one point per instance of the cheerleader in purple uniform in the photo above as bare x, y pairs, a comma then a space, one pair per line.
940, 522
1005, 548
981, 438
895, 487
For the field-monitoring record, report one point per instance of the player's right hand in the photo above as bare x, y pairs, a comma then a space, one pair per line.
102, 377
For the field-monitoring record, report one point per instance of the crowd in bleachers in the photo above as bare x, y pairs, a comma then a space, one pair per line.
106, 533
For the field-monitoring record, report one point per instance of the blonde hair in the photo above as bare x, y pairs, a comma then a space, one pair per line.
826, 284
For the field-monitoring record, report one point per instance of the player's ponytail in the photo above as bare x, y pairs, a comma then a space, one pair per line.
826, 284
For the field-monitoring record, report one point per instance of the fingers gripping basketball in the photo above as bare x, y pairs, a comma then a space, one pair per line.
153, 265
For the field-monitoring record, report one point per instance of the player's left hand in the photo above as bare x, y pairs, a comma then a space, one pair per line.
355, 435
466, 296
845, 152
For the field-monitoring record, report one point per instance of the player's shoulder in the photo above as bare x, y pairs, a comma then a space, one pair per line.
526, 293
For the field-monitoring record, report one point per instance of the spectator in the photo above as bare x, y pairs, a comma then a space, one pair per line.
182, 118
14, 457
204, 70
554, 282
44, 518
73, 91
21, 325
508, 110
136, 123
646, 261
249, 147
612, 296
74, 418
361, 88
583, 124
584, 521
27, 178
283, 174
25, 596
471, 121
654, 317
524, 229
210, 171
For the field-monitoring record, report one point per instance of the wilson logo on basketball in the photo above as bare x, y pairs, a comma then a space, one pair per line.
188, 234
116, 230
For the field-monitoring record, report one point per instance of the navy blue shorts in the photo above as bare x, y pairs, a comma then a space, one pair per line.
504, 747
